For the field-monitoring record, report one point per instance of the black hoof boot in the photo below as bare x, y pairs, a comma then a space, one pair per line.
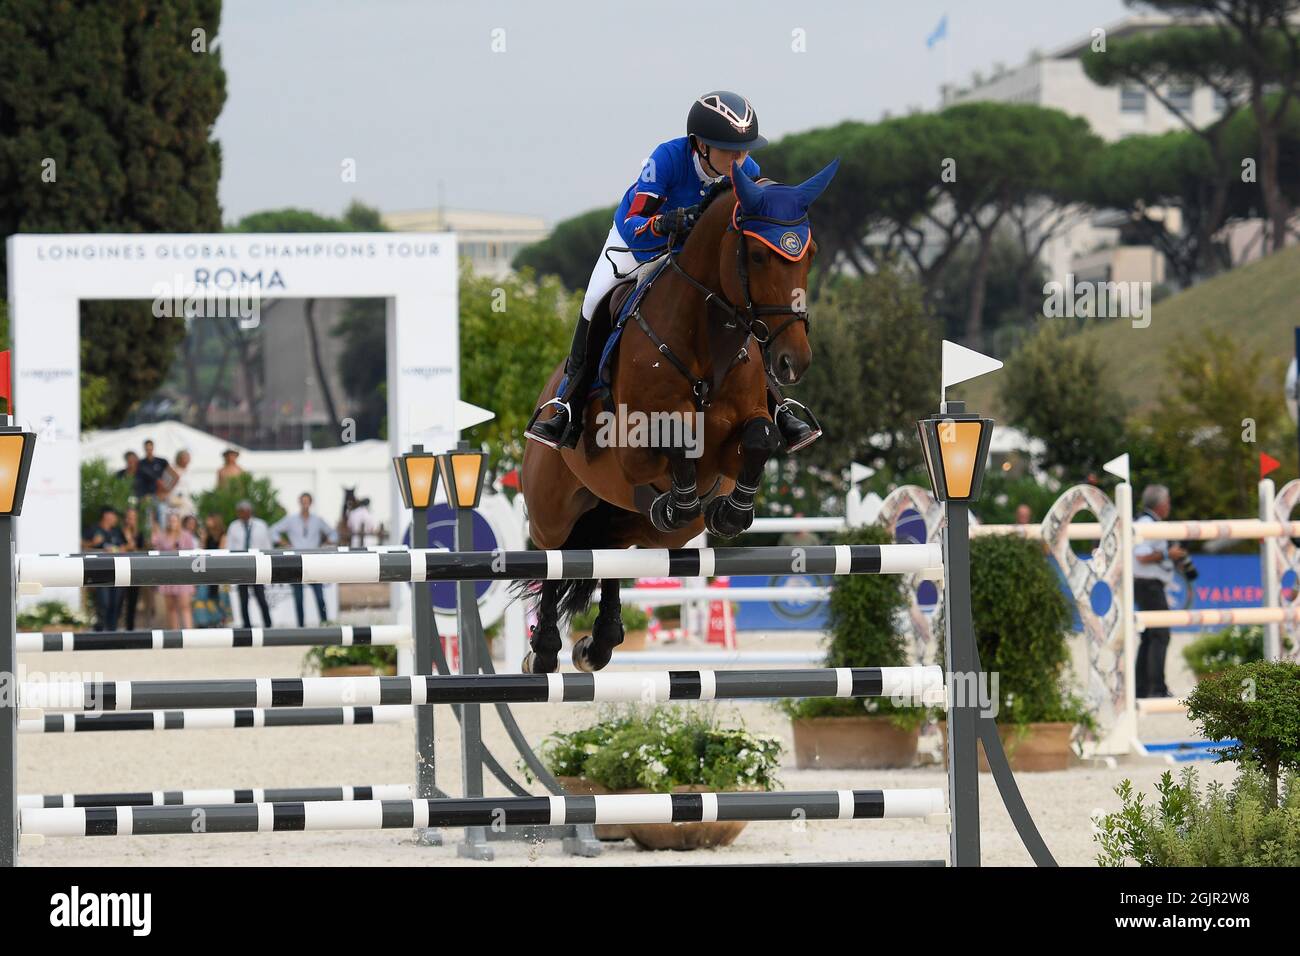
724, 519
668, 514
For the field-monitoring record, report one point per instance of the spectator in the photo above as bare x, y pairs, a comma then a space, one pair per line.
132, 540
229, 469
151, 470
250, 534
360, 524
1153, 571
211, 609
106, 536
191, 524
174, 486
305, 531
1024, 515
133, 474
176, 597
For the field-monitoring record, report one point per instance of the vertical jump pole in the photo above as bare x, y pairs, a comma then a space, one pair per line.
8, 700
1268, 550
423, 634
963, 700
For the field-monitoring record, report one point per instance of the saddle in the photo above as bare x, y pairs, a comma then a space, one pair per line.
607, 326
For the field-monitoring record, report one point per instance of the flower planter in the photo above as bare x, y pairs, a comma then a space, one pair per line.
633, 641
658, 836
358, 670
856, 743
582, 787
684, 836
1031, 749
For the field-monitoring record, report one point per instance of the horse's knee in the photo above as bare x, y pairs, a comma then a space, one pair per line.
758, 442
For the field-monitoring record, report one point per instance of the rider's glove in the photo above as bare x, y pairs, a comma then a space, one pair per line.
676, 221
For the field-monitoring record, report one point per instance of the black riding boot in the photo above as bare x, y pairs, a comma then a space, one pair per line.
564, 427
795, 432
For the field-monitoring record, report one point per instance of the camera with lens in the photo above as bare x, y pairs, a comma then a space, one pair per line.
1186, 568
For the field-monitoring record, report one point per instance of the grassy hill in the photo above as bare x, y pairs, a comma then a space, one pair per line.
1258, 306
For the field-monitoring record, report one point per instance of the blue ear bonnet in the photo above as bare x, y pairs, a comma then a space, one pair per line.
777, 215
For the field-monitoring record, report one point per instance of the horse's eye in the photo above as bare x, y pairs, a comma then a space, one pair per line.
757, 257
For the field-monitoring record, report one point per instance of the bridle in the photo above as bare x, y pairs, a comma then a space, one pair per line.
749, 317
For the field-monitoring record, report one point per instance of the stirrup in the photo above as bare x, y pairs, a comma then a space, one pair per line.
814, 425
528, 431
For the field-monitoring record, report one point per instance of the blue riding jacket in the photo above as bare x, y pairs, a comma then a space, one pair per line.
670, 179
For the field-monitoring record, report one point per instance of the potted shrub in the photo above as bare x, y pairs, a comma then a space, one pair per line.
665, 750
359, 660
635, 622
1021, 621
1215, 652
52, 616
1256, 822
869, 733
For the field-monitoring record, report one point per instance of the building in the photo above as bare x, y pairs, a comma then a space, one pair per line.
489, 240
1093, 250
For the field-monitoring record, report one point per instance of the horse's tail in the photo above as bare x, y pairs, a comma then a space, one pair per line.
592, 530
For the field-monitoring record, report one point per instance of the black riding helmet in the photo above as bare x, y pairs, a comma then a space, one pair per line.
724, 120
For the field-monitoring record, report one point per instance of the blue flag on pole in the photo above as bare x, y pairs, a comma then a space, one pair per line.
940, 33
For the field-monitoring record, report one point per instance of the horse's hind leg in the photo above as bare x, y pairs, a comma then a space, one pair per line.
544, 658
594, 651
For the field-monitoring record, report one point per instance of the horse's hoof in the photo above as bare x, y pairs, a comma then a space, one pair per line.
532, 664
586, 659
724, 519
667, 516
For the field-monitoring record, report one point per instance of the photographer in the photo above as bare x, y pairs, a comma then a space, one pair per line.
1153, 571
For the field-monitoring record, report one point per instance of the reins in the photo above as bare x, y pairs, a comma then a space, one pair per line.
749, 317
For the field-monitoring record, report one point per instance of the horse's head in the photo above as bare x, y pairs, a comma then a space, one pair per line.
766, 255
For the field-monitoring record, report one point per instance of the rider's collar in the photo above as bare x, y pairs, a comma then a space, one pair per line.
699, 170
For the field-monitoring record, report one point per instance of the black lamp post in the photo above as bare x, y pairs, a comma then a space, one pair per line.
956, 446
16, 446
462, 473
417, 477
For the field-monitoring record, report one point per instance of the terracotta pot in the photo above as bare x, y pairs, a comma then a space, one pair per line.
684, 836
358, 670
582, 787
1040, 747
856, 743
632, 641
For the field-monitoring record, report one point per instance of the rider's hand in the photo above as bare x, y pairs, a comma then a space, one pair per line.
677, 221
1177, 553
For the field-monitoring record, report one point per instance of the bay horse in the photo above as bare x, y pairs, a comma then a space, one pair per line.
719, 317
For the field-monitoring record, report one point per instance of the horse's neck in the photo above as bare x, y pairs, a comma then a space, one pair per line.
699, 259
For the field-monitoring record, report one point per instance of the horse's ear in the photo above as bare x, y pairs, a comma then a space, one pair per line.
749, 194
815, 185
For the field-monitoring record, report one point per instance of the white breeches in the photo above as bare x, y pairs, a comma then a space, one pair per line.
602, 276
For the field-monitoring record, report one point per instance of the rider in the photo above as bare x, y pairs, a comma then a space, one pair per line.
721, 129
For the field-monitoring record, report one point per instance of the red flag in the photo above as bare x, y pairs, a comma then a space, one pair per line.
1267, 464
6, 389
511, 479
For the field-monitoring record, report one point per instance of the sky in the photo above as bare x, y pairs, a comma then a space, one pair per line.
547, 107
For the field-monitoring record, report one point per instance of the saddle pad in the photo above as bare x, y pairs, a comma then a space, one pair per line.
604, 379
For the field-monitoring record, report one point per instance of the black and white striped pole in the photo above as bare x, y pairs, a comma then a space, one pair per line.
16, 446
462, 481
417, 478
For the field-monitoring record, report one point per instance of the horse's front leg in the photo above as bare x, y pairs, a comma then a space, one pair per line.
595, 650
680, 505
729, 516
